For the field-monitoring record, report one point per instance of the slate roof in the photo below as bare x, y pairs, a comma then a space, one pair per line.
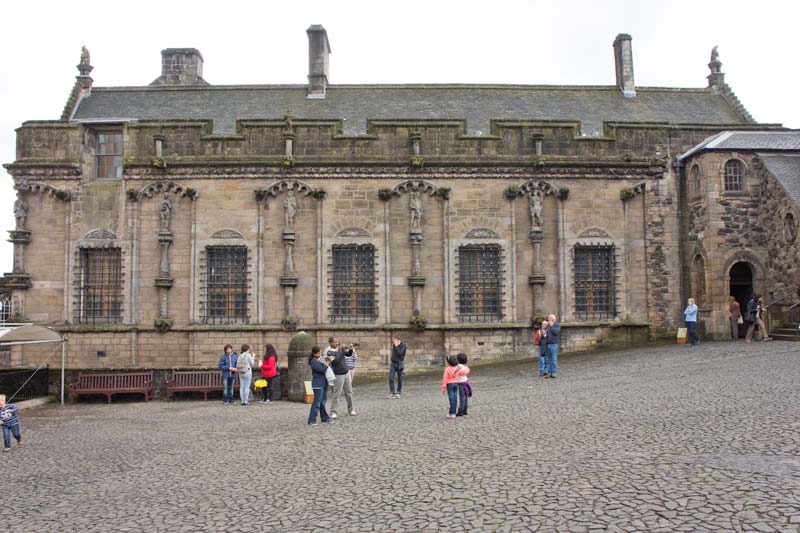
749, 141
477, 104
786, 169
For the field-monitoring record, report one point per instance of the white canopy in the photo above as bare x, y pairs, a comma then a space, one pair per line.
27, 334
17, 334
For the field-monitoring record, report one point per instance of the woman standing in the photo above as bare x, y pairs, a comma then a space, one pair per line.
320, 386
690, 317
269, 369
244, 366
736, 318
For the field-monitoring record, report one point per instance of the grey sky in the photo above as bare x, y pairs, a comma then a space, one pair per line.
433, 41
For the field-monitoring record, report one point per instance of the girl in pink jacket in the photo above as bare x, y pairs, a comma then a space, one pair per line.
450, 384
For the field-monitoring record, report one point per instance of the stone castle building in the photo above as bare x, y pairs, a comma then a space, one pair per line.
157, 223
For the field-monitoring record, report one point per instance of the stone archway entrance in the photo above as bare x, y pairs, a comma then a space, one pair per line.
741, 287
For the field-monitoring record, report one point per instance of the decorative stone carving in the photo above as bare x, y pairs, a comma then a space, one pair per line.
23, 185
100, 234
167, 186
481, 233
594, 232
353, 232
21, 212
415, 204
420, 186
280, 186
165, 212
227, 234
290, 205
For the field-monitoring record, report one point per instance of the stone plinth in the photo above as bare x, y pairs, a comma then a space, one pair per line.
299, 370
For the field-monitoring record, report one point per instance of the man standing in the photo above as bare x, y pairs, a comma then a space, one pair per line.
227, 364
344, 381
397, 365
552, 336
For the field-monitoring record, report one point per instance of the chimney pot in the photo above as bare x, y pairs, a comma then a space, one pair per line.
318, 51
623, 61
181, 66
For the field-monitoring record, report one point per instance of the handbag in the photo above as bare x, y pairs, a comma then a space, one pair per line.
260, 383
740, 320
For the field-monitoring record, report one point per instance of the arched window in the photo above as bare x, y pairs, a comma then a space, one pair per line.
5, 308
734, 176
696, 188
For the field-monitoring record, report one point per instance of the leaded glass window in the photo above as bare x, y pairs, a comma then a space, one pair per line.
734, 176
226, 284
479, 296
353, 286
100, 290
594, 281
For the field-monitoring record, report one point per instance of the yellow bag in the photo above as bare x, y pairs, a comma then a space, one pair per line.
260, 383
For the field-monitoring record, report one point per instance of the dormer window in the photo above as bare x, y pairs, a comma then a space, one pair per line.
109, 155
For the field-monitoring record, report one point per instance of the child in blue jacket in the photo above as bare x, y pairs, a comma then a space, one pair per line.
10, 421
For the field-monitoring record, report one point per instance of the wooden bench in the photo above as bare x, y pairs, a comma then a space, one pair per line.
110, 384
204, 381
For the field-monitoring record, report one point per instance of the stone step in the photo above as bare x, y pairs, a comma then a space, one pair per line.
782, 337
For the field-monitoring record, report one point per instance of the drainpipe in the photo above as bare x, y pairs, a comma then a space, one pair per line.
680, 170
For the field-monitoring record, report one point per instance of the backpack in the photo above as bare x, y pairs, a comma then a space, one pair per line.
537, 338
243, 364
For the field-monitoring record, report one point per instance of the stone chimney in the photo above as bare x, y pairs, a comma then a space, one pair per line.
717, 77
623, 61
318, 51
181, 66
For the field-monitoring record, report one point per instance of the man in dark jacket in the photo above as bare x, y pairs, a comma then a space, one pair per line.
227, 364
397, 365
553, 335
344, 382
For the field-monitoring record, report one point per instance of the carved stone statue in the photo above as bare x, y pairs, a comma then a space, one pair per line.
85, 60
21, 212
415, 203
165, 213
291, 208
714, 55
536, 208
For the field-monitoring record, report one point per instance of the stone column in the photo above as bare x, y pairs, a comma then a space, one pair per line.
289, 280
537, 278
416, 280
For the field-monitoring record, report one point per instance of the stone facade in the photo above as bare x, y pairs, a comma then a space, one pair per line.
414, 191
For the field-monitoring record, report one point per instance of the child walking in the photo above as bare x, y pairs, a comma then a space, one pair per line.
450, 384
10, 421
540, 340
464, 389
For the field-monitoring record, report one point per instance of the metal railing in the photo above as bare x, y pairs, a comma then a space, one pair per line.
19, 385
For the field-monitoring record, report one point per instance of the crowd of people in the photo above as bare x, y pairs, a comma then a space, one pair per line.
233, 365
753, 318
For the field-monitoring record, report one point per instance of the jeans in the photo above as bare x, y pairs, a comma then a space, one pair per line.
463, 399
244, 386
318, 405
396, 369
691, 333
551, 362
7, 431
542, 358
227, 387
343, 383
452, 395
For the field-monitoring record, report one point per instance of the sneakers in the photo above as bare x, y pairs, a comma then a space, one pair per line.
313, 423
451, 416
263, 401
397, 396
553, 376
334, 416
330, 421
267, 400
392, 395
352, 412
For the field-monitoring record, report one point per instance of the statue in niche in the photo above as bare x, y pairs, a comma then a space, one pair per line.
714, 55
291, 208
165, 212
21, 212
536, 208
415, 203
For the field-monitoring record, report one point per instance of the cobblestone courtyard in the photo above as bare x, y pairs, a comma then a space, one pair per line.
663, 438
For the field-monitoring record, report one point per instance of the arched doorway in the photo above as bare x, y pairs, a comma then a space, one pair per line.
741, 285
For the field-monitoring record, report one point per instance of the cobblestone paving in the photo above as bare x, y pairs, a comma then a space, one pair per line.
664, 438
